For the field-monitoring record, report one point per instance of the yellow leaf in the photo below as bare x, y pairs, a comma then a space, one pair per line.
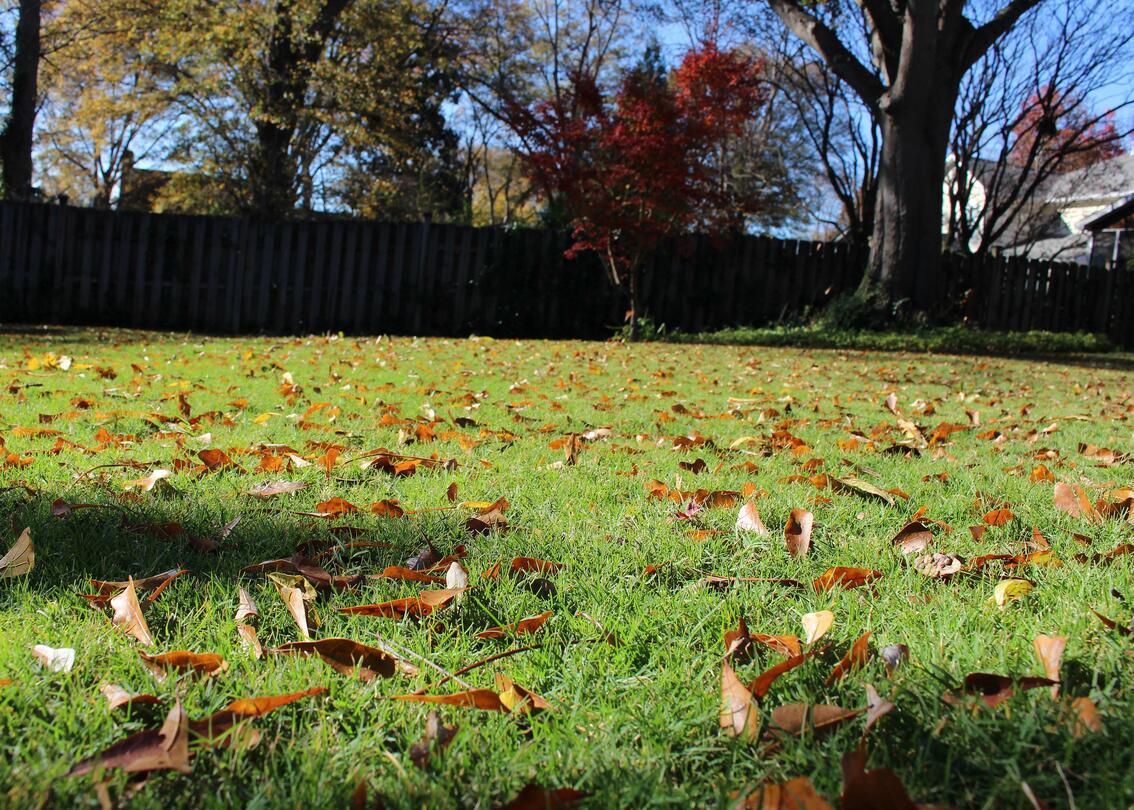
262, 418
1009, 590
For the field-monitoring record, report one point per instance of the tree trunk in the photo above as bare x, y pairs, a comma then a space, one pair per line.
273, 171
905, 248
632, 291
16, 139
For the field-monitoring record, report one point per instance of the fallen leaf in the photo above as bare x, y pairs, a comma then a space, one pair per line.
215, 730
795, 794
739, 715
857, 486
215, 459
523, 627
816, 625
748, 520
249, 641
1049, 651
855, 658
877, 707
878, 789
1009, 590
1073, 501
536, 797
795, 718
247, 608
995, 689
297, 593
128, 615
207, 664
915, 536
797, 532
54, 659
313, 573
523, 565
148, 483
167, 748
842, 577
345, 656
117, 697
1087, 717
20, 558
763, 682
407, 575
417, 606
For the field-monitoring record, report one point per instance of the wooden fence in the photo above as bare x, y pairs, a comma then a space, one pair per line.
67, 265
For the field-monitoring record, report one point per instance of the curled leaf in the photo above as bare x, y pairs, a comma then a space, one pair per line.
816, 625
797, 532
20, 558
128, 615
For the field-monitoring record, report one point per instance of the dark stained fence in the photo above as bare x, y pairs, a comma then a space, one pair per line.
67, 265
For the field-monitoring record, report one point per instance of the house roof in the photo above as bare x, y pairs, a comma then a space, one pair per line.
1109, 216
1100, 181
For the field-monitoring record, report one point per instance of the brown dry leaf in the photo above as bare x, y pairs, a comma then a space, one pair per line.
523, 565
877, 707
118, 697
20, 558
247, 608
816, 625
738, 643
417, 606
214, 459
1049, 651
436, 737
857, 486
346, 656
1040, 473
739, 715
484, 699
763, 682
794, 718
517, 698
407, 575
998, 517
537, 797
249, 640
1073, 501
879, 789
795, 794
157, 583
489, 518
334, 507
995, 689
797, 532
167, 748
148, 483
297, 593
856, 657
915, 536
523, 627
128, 615
298, 564
748, 520
207, 664
785, 645
843, 577
1087, 718
215, 730
269, 489
451, 493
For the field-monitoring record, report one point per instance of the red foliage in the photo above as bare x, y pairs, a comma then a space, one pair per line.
1058, 127
633, 170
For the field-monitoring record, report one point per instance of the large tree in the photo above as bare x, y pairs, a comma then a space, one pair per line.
17, 136
918, 53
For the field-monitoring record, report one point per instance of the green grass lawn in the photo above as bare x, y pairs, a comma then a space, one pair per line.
634, 722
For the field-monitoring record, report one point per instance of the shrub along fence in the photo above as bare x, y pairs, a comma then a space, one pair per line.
66, 265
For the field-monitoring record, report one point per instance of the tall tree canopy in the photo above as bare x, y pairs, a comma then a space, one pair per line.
908, 73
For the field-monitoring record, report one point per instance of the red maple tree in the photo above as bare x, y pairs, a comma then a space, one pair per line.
632, 170
1058, 129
